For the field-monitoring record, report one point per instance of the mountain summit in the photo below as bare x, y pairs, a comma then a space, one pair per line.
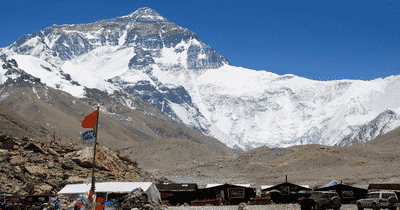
145, 14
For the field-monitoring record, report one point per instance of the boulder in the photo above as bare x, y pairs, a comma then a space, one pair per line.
52, 152
122, 156
77, 179
4, 155
8, 143
35, 147
105, 160
22, 177
17, 160
45, 187
242, 206
69, 155
67, 165
36, 171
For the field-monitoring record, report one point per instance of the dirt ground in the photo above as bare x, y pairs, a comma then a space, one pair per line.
254, 207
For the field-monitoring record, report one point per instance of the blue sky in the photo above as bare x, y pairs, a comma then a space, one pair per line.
322, 40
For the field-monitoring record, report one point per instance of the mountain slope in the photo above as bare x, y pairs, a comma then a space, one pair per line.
13, 124
124, 120
382, 124
143, 55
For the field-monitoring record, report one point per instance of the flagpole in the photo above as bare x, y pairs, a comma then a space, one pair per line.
94, 158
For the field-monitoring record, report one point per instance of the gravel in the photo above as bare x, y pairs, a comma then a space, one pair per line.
254, 207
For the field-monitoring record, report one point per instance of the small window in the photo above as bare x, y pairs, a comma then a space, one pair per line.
387, 195
373, 195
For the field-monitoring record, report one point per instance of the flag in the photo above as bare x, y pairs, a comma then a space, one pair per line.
88, 135
90, 120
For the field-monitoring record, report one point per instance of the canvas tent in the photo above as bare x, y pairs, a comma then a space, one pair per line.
286, 192
125, 187
348, 194
228, 194
114, 187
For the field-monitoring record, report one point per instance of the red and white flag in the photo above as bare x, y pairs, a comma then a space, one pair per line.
90, 120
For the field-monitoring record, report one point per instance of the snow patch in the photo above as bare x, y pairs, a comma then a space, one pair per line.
195, 42
34, 90
86, 78
180, 112
3, 78
32, 65
122, 40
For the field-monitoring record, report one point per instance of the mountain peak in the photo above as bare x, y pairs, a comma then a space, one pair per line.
146, 14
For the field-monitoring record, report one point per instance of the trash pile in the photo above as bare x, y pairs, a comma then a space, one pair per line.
138, 199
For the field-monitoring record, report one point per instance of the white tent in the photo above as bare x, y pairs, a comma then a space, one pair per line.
122, 187
125, 187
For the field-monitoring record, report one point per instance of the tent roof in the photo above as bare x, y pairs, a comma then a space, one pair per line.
266, 186
333, 182
214, 185
105, 187
271, 187
384, 186
180, 186
75, 188
122, 186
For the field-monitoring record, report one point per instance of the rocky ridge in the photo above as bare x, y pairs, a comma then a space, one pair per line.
383, 123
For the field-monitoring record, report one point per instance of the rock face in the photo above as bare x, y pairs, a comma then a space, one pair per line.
46, 168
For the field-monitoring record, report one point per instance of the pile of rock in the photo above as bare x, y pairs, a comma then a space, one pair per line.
139, 200
28, 166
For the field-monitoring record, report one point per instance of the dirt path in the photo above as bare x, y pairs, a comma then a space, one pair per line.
253, 207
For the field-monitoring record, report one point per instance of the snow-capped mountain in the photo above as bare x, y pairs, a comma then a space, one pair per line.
383, 123
149, 57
